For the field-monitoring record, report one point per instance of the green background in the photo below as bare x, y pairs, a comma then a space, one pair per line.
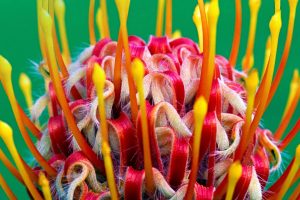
19, 44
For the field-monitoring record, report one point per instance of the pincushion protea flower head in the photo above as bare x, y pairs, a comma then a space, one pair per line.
167, 119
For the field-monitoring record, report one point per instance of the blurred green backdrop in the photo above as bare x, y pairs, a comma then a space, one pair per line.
19, 44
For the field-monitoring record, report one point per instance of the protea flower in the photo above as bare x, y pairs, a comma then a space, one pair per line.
163, 119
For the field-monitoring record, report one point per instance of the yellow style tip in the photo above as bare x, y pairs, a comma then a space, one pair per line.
5, 69
176, 34
252, 81
122, 6
5, 131
196, 16
24, 82
46, 22
99, 76
213, 11
235, 171
275, 24
200, 108
60, 8
138, 70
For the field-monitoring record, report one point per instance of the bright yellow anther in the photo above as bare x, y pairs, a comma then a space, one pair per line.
275, 25
252, 82
138, 75
248, 59
234, 174
46, 23
25, 85
99, 79
138, 72
295, 83
160, 18
44, 183
176, 34
59, 7
267, 55
6, 134
9, 193
200, 110
5, 70
197, 22
99, 22
287, 182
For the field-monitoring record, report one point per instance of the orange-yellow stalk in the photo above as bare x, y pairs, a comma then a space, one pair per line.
92, 22
44, 183
207, 71
9, 193
138, 75
237, 34
198, 23
287, 182
267, 56
251, 86
25, 85
99, 79
234, 174
7, 136
60, 8
5, 77
57, 51
287, 117
169, 18
248, 59
117, 69
99, 22
287, 45
200, 110
160, 18
275, 26
123, 7
59, 90
10, 167
295, 83
40, 32
105, 19
109, 171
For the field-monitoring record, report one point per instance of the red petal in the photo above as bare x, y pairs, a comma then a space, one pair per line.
133, 184
159, 45
58, 135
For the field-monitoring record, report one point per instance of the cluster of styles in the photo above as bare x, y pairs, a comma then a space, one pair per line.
167, 119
